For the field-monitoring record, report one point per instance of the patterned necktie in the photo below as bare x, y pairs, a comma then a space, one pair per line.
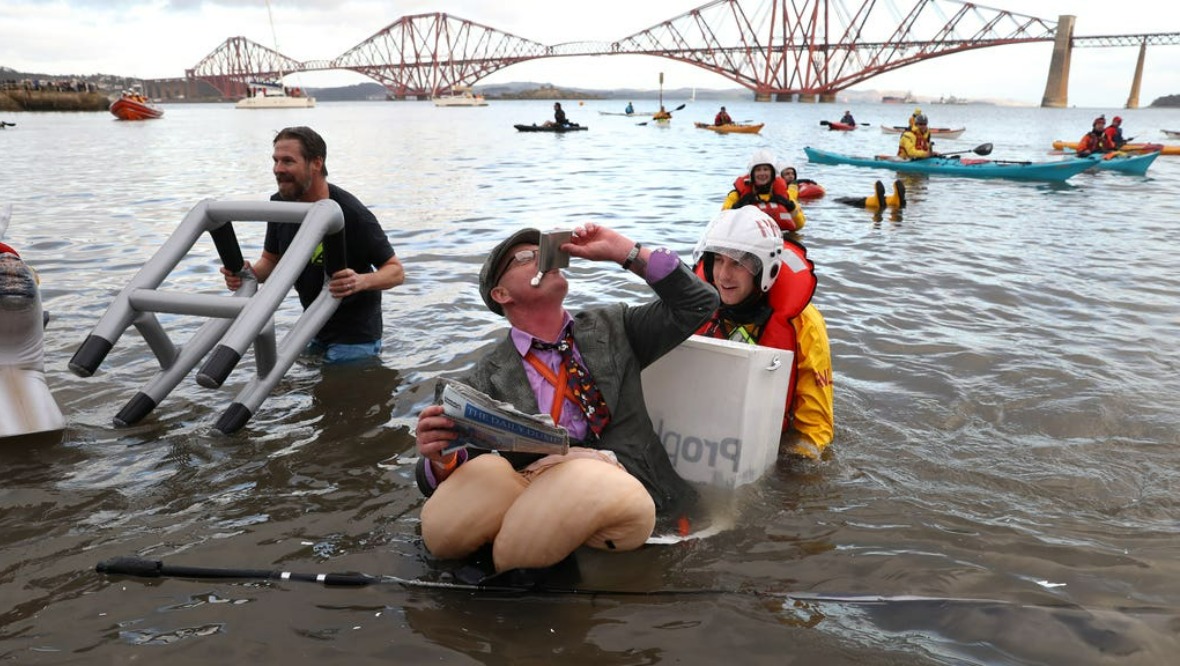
580, 383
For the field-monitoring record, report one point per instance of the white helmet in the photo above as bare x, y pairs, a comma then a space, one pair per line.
748, 236
762, 156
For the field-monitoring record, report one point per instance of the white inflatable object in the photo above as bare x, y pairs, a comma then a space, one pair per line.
26, 405
234, 322
726, 430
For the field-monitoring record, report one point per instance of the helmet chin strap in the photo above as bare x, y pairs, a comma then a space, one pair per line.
753, 310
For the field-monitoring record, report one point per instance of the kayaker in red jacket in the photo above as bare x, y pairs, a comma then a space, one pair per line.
722, 118
1114, 133
1095, 141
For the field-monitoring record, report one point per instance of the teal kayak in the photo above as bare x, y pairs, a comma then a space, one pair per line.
1124, 162
967, 168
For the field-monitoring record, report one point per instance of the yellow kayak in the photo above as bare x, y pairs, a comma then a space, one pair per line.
732, 129
1127, 148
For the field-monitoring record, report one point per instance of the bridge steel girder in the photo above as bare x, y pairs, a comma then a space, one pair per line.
430, 54
819, 47
772, 47
237, 61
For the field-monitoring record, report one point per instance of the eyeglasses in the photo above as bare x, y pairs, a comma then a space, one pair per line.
518, 258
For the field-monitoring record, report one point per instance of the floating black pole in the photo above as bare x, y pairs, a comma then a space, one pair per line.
142, 568
513, 581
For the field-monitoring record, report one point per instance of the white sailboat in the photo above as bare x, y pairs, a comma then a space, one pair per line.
460, 96
273, 94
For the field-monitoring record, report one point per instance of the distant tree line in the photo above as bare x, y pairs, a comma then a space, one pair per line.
79, 82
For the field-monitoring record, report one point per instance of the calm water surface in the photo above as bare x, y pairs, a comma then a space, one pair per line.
1002, 488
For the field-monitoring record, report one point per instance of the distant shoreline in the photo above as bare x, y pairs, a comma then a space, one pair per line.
52, 100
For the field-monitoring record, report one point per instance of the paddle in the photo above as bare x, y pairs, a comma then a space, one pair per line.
4, 123
981, 149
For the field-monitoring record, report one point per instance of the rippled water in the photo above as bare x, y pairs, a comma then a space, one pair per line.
1003, 481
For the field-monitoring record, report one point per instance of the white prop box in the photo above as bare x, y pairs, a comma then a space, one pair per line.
717, 407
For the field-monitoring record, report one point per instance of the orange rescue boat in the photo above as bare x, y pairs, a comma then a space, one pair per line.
133, 105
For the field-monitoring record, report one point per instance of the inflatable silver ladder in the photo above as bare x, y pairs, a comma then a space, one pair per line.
236, 322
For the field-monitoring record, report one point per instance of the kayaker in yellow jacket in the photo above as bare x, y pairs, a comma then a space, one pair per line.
915, 142
762, 187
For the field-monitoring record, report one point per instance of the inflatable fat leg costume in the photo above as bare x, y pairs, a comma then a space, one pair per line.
26, 404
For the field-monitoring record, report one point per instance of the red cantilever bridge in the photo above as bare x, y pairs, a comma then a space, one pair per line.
780, 49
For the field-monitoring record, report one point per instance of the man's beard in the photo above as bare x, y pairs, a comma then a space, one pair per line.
293, 189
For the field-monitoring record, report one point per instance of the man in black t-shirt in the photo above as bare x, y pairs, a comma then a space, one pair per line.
354, 330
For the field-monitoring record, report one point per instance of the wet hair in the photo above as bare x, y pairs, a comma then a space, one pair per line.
312, 144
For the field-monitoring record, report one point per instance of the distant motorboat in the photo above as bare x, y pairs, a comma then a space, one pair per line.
941, 132
134, 105
273, 95
460, 96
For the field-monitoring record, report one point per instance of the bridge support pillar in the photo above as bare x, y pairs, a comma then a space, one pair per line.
1133, 99
1057, 86
761, 97
807, 98
827, 98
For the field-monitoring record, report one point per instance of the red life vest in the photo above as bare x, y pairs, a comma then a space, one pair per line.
776, 207
792, 292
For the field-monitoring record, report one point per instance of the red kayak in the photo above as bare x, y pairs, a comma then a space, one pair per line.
837, 127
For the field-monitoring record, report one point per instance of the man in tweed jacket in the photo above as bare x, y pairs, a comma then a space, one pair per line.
607, 491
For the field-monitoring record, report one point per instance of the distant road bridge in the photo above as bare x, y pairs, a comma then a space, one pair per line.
806, 50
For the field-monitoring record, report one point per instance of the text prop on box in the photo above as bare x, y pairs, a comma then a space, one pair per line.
717, 407
484, 423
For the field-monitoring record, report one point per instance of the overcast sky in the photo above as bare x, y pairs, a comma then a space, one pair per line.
161, 38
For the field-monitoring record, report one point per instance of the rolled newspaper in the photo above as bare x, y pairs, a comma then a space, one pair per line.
485, 423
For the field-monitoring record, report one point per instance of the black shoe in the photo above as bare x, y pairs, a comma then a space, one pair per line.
899, 192
879, 188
